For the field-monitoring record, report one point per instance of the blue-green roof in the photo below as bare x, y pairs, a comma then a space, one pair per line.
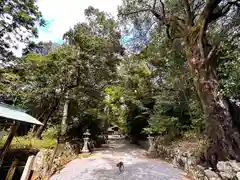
17, 114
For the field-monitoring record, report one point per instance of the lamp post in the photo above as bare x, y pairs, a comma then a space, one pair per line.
86, 136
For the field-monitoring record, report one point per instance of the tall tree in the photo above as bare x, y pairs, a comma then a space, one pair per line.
93, 59
42, 48
197, 24
17, 23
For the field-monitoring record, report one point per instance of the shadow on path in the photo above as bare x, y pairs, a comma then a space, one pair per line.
102, 166
140, 170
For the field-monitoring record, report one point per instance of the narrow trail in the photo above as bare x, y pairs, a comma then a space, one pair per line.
102, 166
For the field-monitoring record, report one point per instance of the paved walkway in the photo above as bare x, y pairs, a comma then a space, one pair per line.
102, 166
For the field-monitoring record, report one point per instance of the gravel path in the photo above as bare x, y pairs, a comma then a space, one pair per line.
102, 166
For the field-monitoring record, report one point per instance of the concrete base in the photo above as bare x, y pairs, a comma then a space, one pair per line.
85, 151
85, 155
151, 154
85, 146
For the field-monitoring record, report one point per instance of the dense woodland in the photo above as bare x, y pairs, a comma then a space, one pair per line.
168, 68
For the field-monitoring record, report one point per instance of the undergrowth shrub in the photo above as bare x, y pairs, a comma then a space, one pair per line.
51, 132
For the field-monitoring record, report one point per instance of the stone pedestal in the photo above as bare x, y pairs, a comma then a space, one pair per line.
85, 145
151, 149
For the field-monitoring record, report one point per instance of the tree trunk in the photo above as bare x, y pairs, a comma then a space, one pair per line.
35, 127
8, 142
41, 128
222, 136
52, 109
65, 115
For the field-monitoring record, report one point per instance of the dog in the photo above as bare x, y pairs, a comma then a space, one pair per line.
120, 166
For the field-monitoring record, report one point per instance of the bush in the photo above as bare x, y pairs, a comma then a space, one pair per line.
29, 142
51, 133
176, 120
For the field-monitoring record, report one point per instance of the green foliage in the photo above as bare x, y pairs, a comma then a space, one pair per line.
84, 67
161, 123
114, 106
17, 18
230, 75
197, 116
51, 132
147, 93
177, 104
30, 142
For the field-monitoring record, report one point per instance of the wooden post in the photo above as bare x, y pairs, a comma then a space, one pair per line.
8, 142
27, 168
2, 134
12, 170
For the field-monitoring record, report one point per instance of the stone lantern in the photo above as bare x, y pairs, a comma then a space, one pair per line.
86, 138
151, 149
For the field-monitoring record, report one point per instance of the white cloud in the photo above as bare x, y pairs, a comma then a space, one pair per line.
64, 14
67, 13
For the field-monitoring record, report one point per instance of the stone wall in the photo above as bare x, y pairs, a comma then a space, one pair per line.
185, 160
48, 161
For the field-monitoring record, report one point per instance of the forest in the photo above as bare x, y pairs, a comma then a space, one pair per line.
162, 68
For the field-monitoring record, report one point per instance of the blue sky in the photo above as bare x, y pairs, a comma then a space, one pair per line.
64, 14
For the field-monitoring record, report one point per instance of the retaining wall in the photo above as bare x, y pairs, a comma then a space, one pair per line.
229, 170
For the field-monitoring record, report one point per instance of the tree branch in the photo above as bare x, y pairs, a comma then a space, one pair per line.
163, 8
168, 31
235, 3
225, 9
154, 4
135, 12
77, 81
201, 38
161, 16
208, 10
210, 15
212, 53
213, 12
188, 12
158, 15
207, 16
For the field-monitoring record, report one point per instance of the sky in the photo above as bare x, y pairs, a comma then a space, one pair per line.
61, 15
